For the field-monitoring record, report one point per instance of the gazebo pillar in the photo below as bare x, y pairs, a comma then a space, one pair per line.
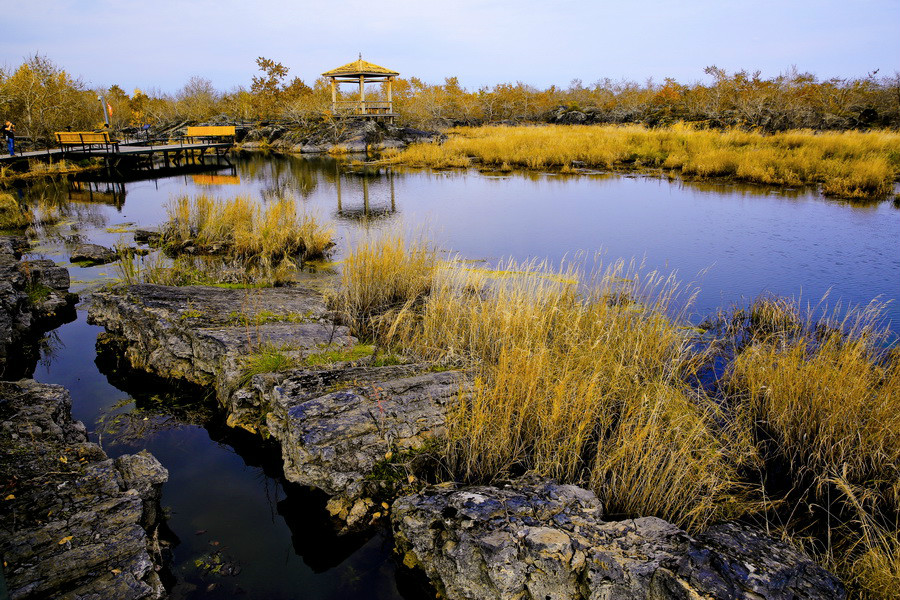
362, 94
333, 94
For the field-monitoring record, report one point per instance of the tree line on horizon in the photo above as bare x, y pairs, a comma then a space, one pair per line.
40, 97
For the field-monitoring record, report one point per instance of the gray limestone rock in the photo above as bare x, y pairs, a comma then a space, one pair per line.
73, 520
204, 334
334, 440
34, 297
94, 254
537, 539
335, 424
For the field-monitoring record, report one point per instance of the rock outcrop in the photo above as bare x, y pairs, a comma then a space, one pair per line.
34, 297
350, 135
75, 523
93, 254
204, 334
335, 423
536, 539
336, 426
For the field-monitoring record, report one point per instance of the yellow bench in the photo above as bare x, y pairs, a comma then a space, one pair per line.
84, 138
210, 131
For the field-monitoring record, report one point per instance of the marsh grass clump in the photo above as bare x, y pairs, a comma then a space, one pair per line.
12, 215
576, 377
383, 273
268, 234
825, 391
853, 165
820, 392
583, 380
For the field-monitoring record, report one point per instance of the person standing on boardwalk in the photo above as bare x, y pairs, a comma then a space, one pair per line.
10, 131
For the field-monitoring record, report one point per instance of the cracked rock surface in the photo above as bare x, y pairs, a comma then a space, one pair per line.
335, 423
536, 539
201, 333
34, 297
73, 523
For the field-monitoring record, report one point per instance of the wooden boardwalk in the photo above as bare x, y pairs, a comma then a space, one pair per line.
119, 151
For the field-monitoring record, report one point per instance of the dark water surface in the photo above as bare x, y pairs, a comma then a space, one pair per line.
227, 499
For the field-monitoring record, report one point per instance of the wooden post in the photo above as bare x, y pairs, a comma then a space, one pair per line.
390, 101
362, 94
333, 96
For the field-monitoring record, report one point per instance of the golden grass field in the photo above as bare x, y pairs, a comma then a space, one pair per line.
850, 164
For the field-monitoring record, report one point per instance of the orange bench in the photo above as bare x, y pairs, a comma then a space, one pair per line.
210, 132
85, 139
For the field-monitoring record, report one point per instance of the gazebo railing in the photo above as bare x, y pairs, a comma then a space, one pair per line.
362, 107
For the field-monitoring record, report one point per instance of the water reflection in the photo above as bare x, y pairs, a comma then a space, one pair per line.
236, 524
373, 186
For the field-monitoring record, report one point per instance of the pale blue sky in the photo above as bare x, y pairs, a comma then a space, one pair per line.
160, 44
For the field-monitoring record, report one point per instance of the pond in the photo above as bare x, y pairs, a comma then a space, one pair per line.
226, 499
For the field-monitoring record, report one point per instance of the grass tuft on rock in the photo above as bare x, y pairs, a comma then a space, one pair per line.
243, 228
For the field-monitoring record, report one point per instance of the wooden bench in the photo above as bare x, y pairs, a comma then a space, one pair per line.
210, 132
85, 139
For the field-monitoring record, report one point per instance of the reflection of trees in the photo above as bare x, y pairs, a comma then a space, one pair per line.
49, 201
281, 175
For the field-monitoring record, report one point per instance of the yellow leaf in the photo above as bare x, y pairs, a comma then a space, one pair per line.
68, 538
411, 478
115, 571
63, 460
385, 505
10, 497
388, 455
376, 515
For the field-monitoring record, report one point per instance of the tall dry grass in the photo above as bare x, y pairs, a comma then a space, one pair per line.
585, 377
576, 377
382, 273
847, 164
243, 228
12, 215
823, 393
823, 389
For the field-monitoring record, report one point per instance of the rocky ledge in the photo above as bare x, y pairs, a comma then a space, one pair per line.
350, 135
338, 427
75, 523
337, 424
34, 297
539, 540
205, 334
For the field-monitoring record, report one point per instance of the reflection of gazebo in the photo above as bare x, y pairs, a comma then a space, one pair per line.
366, 212
362, 72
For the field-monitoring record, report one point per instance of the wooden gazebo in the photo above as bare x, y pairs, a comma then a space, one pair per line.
361, 72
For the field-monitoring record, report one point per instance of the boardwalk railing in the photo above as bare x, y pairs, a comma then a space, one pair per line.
362, 108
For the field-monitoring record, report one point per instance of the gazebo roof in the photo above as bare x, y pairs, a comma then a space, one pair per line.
359, 67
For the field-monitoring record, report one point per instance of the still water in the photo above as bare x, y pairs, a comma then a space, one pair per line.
226, 500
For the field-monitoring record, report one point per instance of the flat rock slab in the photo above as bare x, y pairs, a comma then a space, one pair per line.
73, 520
201, 334
333, 441
94, 254
537, 539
